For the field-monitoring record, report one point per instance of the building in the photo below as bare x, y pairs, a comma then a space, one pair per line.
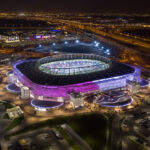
77, 99
12, 39
49, 81
14, 112
133, 86
9, 38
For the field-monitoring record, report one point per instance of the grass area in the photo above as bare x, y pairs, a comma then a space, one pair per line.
148, 104
92, 128
15, 123
68, 139
6, 116
120, 145
6, 104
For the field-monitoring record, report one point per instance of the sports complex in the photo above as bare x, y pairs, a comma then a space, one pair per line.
50, 81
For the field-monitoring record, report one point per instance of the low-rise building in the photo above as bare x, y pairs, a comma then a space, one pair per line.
14, 112
77, 99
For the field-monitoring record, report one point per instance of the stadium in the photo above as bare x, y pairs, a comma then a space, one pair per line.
49, 81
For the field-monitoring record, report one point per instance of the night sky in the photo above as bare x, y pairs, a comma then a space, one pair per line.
102, 6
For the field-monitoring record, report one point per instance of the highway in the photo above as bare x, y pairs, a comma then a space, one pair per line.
97, 31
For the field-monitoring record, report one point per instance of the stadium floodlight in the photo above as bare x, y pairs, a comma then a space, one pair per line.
77, 41
54, 44
107, 50
97, 44
66, 42
40, 45
102, 47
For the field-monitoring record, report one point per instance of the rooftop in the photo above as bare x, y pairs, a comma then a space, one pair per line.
30, 68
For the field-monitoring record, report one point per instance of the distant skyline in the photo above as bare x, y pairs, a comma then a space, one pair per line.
102, 6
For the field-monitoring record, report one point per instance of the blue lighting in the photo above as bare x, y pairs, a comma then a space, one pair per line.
40, 45
107, 50
13, 90
97, 44
54, 44
77, 41
123, 105
102, 47
56, 30
41, 107
66, 42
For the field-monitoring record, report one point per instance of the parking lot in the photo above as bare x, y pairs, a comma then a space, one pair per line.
42, 139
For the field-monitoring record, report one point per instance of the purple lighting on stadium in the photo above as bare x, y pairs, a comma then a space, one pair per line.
55, 91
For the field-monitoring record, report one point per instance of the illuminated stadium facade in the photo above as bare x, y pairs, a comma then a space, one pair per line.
52, 79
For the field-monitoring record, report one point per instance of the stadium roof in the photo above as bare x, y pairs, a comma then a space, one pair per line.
31, 71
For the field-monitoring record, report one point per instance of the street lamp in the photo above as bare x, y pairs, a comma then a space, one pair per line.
40, 45
77, 41
54, 44
97, 44
66, 42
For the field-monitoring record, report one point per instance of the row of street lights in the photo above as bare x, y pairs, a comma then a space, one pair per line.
96, 44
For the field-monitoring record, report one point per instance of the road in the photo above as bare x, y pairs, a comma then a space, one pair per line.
3, 124
35, 137
83, 145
